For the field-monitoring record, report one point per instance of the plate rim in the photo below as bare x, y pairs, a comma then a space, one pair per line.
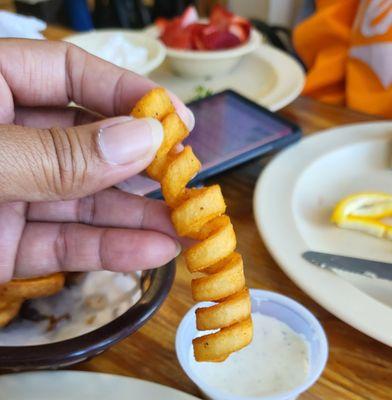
290, 78
132, 380
262, 190
150, 65
295, 77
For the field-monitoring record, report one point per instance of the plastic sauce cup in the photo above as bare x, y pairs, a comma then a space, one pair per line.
274, 305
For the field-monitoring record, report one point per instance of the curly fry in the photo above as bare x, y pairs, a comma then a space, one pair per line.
15, 292
33, 287
9, 312
200, 214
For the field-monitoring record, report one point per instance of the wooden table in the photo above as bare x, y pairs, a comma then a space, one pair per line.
358, 366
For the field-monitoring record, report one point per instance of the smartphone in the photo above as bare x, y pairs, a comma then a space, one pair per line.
230, 130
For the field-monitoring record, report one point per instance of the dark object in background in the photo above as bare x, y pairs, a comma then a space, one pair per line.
169, 9
51, 11
79, 15
243, 130
131, 14
278, 36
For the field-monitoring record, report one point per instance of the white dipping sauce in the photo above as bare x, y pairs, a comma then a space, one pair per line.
118, 50
276, 361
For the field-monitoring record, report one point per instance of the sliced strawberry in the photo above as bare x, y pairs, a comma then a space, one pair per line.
189, 16
240, 20
239, 31
220, 40
223, 31
180, 40
162, 23
243, 23
220, 16
196, 31
176, 36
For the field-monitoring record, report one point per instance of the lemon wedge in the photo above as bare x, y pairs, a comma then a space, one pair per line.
367, 225
373, 205
364, 212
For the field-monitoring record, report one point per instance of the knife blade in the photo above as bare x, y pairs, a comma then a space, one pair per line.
368, 268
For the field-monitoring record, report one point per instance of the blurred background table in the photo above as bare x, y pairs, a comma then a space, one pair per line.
358, 367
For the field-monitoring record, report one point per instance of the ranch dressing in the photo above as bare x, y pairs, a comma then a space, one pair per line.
276, 361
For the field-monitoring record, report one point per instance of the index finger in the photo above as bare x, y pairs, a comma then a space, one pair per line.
46, 73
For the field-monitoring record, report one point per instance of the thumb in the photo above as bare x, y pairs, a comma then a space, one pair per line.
65, 163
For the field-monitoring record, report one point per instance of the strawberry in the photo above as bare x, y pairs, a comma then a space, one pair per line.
224, 30
189, 16
219, 40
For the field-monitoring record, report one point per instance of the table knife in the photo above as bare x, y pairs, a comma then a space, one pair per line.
368, 268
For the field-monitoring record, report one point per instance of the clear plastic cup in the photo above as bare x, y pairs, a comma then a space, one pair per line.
271, 304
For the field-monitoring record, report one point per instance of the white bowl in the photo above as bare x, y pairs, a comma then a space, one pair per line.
94, 40
205, 64
274, 305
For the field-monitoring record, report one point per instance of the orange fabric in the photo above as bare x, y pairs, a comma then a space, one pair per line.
347, 48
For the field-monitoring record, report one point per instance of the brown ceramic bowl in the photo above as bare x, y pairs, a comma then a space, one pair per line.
156, 285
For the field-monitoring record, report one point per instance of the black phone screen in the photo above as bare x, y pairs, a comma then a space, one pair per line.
229, 130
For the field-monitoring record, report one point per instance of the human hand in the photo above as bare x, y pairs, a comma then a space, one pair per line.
55, 213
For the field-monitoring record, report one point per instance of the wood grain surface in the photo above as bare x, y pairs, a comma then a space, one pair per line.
358, 368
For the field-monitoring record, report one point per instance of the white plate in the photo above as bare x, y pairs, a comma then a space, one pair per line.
74, 385
267, 76
293, 201
94, 41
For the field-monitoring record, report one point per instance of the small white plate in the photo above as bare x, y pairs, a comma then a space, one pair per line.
267, 76
66, 385
293, 201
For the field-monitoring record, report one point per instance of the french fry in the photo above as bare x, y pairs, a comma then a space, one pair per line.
221, 284
15, 292
175, 133
219, 242
228, 312
154, 104
202, 206
215, 346
33, 287
9, 312
200, 214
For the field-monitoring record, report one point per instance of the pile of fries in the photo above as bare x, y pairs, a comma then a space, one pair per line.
14, 293
199, 213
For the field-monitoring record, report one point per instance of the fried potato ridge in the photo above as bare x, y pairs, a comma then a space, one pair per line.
213, 347
15, 292
33, 287
9, 311
199, 213
222, 283
154, 104
224, 314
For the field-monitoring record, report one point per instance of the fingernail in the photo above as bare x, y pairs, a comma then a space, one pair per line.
130, 139
187, 117
191, 121
178, 249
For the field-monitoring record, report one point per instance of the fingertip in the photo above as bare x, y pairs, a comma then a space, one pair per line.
178, 248
183, 112
138, 250
187, 117
164, 250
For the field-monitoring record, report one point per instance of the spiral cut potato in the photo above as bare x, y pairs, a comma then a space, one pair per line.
15, 292
200, 214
